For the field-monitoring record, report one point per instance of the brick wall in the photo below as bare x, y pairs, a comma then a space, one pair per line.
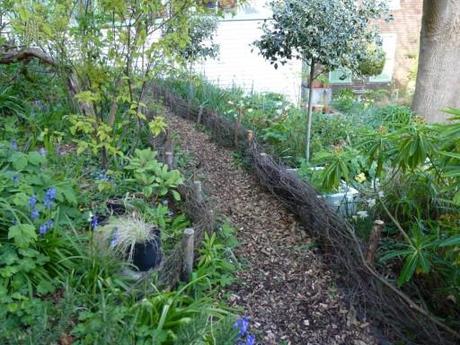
406, 25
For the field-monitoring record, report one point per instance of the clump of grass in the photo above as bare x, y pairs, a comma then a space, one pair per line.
122, 233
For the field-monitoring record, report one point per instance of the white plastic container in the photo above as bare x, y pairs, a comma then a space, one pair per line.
344, 201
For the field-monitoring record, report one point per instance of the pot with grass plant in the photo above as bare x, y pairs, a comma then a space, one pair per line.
133, 239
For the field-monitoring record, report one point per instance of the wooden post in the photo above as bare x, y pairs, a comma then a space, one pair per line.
374, 240
197, 188
200, 113
237, 128
187, 254
250, 136
169, 160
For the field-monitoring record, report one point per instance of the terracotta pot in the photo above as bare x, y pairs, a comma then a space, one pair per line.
316, 84
227, 4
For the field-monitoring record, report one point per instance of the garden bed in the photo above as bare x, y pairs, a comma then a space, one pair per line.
370, 291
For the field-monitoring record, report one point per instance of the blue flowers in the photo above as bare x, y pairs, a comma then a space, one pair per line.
14, 145
34, 213
250, 339
244, 337
50, 195
242, 325
45, 227
32, 201
94, 222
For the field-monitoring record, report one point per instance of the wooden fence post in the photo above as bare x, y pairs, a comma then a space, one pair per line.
237, 129
200, 113
250, 137
169, 160
198, 190
374, 240
187, 254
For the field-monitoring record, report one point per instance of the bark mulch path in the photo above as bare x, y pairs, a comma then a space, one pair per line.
284, 287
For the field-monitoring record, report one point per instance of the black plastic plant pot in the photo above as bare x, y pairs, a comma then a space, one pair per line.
147, 255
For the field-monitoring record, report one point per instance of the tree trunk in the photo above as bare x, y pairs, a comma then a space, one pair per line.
309, 112
438, 77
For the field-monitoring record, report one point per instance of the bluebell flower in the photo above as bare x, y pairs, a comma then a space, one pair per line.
32, 201
45, 227
94, 222
14, 145
250, 340
242, 325
34, 214
50, 195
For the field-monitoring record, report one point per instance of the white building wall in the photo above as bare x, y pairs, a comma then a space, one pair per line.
238, 65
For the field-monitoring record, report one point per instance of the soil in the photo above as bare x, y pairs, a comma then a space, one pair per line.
284, 286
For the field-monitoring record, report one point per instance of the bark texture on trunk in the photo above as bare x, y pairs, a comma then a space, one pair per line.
438, 77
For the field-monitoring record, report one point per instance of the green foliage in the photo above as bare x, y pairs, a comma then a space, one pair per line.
200, 45
96, 136
153, 177
391, 156
10, 104
373, 62
426, 251
333, 33
106, 75
450, 151
215, 262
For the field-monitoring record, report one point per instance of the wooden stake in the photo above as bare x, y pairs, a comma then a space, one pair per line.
237, 129
250, 136
200, 113
374, 240
188, 254
198, 191
169, 160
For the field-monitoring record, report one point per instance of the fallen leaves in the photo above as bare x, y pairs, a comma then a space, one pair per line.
284, 287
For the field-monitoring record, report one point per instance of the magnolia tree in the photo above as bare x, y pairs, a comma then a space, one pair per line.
106, 50
326, 34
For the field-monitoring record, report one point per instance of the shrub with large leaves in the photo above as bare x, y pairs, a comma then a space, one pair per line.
153, 177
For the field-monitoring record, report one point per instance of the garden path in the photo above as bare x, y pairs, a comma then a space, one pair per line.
283, 286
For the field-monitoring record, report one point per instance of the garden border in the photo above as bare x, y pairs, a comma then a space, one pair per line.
368, 290
195, 207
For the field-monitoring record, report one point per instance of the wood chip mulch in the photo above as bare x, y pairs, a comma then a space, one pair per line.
283, 286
